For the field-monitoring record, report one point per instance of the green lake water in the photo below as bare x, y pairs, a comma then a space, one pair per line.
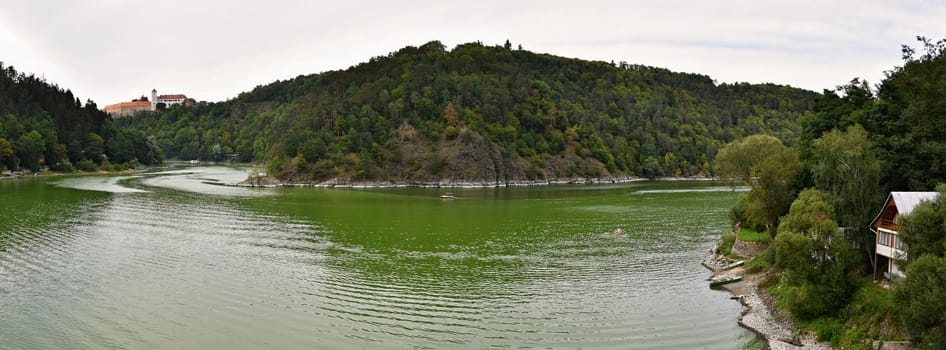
173, 260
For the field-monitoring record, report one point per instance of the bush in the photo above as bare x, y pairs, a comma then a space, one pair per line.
451, 132
725, 244
64, 166
793, 255
822, 278
86, 165
921, 300
828, 329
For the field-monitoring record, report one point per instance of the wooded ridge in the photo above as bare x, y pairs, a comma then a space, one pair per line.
480, 114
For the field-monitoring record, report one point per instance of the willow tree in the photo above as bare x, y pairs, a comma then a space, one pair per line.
769, 168
848, 171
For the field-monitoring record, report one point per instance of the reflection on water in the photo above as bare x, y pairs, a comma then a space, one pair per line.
192, 264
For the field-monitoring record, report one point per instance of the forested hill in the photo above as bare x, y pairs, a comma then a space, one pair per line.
44, 126
480, 114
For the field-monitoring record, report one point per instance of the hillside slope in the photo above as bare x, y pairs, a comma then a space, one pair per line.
480, 114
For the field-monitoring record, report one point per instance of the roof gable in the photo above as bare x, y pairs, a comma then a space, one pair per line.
905, 202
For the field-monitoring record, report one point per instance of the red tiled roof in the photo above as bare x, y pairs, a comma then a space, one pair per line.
172, 97
129, 105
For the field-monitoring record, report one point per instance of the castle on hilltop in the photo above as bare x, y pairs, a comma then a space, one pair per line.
142, 104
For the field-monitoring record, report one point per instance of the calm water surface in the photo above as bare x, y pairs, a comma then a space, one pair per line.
173, 260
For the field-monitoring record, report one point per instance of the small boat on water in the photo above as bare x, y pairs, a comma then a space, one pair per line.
724, 279
448, 195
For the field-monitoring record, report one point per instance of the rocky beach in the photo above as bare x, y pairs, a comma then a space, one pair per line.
760, 314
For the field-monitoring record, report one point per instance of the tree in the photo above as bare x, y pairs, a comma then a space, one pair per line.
924, 230
774, 167
450, 115
921, 296
810, 215
846, 168
29, 148
818, 263
774, 193
921, 302
6, 153
510, 110
909, 127
853, 103
94, 148
737, 159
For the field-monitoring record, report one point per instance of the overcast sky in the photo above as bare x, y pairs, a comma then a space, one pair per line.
116, 50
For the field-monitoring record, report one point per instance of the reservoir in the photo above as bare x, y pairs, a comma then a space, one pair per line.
174, 260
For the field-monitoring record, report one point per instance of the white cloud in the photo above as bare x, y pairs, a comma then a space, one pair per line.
115, 50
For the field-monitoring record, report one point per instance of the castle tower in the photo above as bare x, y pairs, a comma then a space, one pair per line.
154, 99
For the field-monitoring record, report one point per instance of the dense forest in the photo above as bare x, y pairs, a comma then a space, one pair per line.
44, 126
480, 114
817, 198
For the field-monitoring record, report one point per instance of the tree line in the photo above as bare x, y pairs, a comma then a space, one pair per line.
422, 112
817, 198
43, 126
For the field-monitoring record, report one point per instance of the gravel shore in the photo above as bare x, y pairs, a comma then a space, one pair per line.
760, 314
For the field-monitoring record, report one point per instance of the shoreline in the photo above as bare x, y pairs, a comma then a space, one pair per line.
271, 182
51, 174
760, 314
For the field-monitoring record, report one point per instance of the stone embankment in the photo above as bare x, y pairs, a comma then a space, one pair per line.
748, 249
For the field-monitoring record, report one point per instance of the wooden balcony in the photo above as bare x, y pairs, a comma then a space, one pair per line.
890, 224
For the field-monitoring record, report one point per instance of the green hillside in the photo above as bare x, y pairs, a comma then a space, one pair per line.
480, 114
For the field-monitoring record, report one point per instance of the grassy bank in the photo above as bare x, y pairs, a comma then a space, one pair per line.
750, 235
867, 317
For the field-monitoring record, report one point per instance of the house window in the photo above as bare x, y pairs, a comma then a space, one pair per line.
899, 243
883, 238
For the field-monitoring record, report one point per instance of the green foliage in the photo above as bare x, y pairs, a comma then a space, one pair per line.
774, 193
810, 215
845, 167
737, 214
828, 329
750, 235
726, 243
774, 167
740, 159
924, 230
6, 153
46, 126
519, 113
819, 266
868, 316
29, 149
87, 166
921, 302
